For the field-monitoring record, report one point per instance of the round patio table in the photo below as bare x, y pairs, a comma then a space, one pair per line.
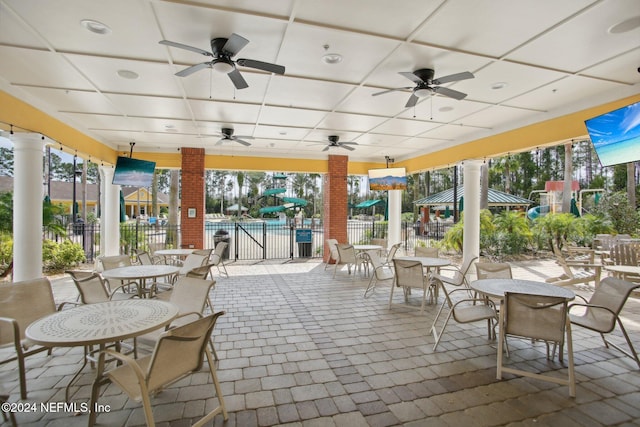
496, 288
622, 271
175, 255
141, 273
100, 324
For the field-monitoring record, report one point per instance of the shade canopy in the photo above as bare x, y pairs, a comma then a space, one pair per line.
367, 204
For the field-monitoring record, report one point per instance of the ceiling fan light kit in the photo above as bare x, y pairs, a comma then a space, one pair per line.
426, 85
222, 52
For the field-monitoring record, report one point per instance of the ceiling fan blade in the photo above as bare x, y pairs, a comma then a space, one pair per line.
190, 70
221, 140
391, 90
411, 76
349, 143
453, 78
186, 47
326, 148
238, 81
240, 141
234, 44
413, 100
449, 92
265, 66
243, 136
346, 147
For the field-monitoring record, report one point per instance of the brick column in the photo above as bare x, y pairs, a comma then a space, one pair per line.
193, 197
335, 201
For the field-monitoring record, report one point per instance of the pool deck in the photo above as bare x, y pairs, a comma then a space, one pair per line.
299, 348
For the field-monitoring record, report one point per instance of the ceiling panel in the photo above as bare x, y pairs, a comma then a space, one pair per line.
583, 41
554, 58
18, 67
493, 27
302, 52
368, 15
225, 112
307, 93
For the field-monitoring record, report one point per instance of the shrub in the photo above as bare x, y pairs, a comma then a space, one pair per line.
512, 234
6, 250
555, 229
616, 208
453, 238
60, 256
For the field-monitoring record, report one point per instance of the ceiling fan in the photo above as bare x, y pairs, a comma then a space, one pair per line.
222, 50
334, 142
227, 135
426, 85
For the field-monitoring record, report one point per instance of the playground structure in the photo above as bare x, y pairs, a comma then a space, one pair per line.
552, 196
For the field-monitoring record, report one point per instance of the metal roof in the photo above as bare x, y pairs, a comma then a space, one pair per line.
496, 198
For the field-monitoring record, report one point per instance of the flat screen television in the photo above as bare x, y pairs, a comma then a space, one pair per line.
133, 172
616, 135
388, 179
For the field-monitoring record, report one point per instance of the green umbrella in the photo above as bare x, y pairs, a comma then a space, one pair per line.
574, 208
123, 208
447, 212
461, 204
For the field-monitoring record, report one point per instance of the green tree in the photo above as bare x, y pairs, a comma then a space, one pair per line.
6, 161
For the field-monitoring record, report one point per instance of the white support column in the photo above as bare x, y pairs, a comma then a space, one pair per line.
395, 218
471, 231
110, 215
27, 206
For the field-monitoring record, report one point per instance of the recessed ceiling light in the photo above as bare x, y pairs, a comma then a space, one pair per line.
128, 74
625, 26
499, 85
95, 26
445, 109
332, 58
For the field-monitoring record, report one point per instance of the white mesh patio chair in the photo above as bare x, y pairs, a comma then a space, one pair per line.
191, 296
426, 252
217, 258
332, 244
465, 310
541, 318
347, 256
21, 303
380, 272
602, 311
408, 275
93, 289
459, 277
391, 254
179, 352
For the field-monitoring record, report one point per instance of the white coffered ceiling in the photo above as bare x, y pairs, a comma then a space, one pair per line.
554, 57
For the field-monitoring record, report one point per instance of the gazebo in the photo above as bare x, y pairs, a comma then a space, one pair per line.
496, 199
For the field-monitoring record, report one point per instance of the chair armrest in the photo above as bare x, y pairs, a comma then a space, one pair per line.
129, 361
600, 307
13, 323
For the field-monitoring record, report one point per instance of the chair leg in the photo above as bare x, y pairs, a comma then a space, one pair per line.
632, 354
371, 286
21, 368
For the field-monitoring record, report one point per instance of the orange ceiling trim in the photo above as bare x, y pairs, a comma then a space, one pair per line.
24, 116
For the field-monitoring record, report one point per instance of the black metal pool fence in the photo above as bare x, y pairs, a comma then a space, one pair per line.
248, 240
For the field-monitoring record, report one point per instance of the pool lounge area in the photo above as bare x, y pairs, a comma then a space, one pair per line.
299, 348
